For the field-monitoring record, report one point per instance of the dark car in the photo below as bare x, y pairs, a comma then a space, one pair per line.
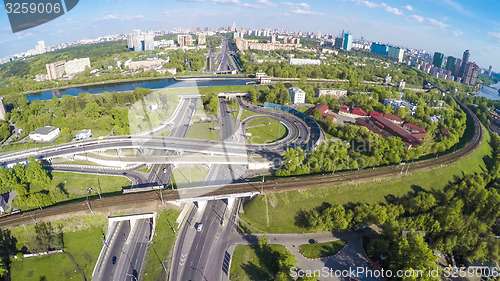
312, 241
114, 259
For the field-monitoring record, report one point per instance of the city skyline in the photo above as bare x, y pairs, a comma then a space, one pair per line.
448, 27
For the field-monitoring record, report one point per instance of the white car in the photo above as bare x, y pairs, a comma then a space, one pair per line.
199, 227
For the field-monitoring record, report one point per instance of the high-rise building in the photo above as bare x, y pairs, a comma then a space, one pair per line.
55, 70
458, 66
347, 42
438, 59
465, 60
75, 66
470, 74
490, 70
202, 39
396, 53
451, 63
184, 40
339, 42
40, 47
273, 39
141, 41
379, 49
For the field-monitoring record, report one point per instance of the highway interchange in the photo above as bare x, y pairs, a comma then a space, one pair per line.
198, 255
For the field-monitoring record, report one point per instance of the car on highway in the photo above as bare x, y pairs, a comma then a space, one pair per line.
114, 260
164, 170
199, 227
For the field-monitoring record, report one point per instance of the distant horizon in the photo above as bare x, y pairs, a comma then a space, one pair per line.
448, 26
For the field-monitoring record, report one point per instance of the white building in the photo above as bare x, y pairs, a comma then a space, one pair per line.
297, 95
294, 61
83, 134
330, 91
40, 48
75, 66
45, 134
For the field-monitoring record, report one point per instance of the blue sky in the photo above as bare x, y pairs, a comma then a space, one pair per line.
448, 26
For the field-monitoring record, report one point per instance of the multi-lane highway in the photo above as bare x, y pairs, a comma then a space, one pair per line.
124, 252
199, 255
161, 174
226, 63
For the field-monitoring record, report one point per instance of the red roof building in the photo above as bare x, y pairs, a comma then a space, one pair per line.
413, 128
395, 130
323, 109
375, 113
358, 111
365, 124
393, 118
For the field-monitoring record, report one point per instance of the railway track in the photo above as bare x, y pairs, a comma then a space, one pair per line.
298, 183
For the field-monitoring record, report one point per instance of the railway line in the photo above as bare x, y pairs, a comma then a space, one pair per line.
297, 183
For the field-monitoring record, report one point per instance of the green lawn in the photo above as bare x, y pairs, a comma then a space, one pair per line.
159, 250
321, 250
190, 175
248, 113
283, 207
267, 130
203, 131
74, 185
303, 109
250, 263
82, 239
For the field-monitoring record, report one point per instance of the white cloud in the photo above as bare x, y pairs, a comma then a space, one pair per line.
306, 12
417, 18
225, 1
436, 23
409, 8
365, 3
120, 17
495, 36
266, 3
457, 33
368, 4
391, 10
297, 6
259, 5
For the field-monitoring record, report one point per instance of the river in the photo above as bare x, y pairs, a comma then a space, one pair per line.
130, 86
490, 93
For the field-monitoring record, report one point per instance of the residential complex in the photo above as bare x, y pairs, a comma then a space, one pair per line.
297, 95
141, 41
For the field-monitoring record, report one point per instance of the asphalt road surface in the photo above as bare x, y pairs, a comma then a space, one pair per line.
199, 255
162, 174
125, 252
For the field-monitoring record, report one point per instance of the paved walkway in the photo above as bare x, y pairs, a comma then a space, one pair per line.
352, 255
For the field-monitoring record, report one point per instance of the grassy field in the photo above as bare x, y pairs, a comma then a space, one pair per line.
71, 184
189, 175
283, 207
159, 250
248, 113
321, 250
249, 263
202, 131
82, 238
266, 130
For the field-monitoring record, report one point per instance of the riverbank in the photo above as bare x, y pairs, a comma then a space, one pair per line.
140, 79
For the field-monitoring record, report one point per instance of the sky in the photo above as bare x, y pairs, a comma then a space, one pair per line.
446, 26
